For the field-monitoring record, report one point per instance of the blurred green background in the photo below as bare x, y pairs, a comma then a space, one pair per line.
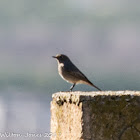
101, 37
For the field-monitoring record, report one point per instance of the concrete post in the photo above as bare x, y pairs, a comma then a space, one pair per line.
109, 115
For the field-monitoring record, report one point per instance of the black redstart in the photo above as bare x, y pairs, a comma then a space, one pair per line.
69, 72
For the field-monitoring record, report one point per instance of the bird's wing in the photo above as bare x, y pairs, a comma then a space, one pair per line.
72, 70
76, 73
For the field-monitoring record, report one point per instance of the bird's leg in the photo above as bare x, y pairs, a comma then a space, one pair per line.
72, 87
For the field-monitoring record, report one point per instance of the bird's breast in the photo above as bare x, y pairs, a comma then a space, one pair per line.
61, 71
65, 74
60, 67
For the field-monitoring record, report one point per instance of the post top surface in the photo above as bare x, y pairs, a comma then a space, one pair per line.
81, 95
97, 93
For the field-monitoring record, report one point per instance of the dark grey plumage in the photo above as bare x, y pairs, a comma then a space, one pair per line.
69, 72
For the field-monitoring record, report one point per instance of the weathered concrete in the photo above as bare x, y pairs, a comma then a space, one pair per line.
111, 115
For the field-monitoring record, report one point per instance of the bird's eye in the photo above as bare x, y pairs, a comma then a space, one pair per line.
61, 57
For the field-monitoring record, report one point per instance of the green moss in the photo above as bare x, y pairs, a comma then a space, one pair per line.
111, 116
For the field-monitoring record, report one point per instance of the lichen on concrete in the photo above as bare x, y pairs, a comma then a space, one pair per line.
110, 115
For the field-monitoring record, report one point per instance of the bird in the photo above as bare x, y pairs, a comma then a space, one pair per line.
70, 73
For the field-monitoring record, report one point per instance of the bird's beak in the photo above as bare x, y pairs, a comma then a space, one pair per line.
54, 56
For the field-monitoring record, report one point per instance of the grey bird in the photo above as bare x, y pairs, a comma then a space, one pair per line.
69, 72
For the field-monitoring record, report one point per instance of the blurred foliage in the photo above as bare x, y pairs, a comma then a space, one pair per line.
31, 31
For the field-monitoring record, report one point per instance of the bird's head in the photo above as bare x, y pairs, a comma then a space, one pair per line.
61, 58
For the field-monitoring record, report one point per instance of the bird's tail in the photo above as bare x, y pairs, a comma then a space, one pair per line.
91, 84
